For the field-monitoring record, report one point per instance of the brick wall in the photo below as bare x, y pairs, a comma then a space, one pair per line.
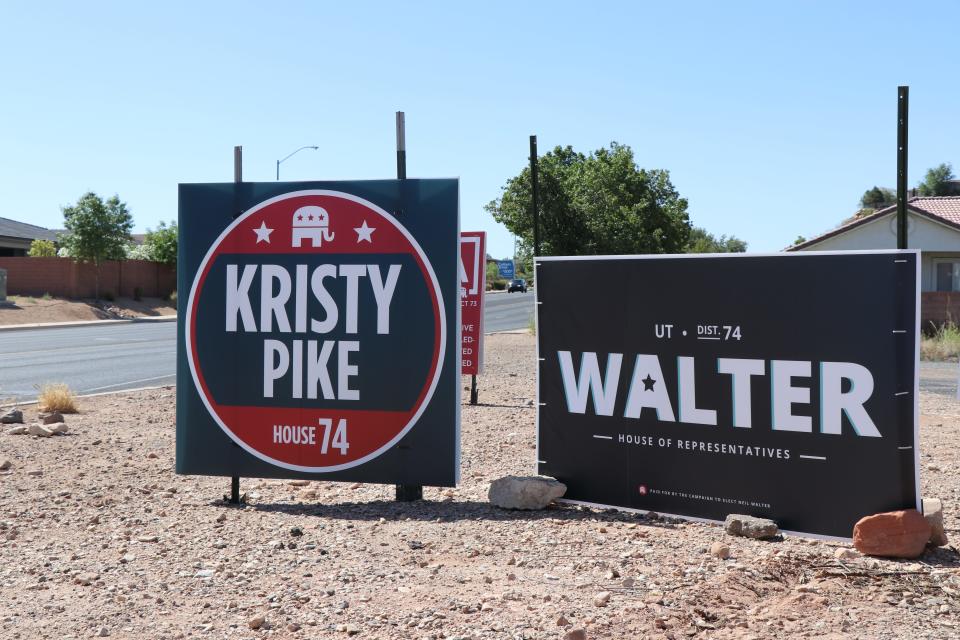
71, 279
937, 307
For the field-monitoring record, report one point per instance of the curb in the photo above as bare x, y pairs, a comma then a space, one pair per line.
83, 323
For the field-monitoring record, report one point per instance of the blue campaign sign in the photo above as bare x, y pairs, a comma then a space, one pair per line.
505, 267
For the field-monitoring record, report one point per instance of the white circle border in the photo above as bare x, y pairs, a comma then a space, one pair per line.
440, 306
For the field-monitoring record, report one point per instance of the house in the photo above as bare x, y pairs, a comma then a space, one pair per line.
15, 237
933, 226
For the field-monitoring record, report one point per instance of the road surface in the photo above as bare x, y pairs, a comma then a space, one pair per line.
101, 358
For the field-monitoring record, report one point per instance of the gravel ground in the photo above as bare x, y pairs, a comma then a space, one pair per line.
99, 537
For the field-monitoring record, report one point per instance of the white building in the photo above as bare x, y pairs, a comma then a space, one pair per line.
933, 226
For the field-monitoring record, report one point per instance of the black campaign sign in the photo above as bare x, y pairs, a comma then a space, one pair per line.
319, 332
779, 386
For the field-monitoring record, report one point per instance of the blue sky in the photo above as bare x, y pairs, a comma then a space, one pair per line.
772, 120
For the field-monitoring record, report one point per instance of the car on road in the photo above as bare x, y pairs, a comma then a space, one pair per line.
517, 285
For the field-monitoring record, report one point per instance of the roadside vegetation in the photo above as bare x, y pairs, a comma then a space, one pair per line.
942, 344
57, 397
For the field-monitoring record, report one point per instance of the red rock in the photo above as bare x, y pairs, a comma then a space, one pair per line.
896, 534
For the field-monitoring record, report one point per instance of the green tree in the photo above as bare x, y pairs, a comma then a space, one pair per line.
877, 198
161, 245
799, 240
42, 249
600, 203
702, 241
935, 182
97, 230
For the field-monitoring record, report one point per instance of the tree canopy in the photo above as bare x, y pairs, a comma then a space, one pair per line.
97, 230
161, 245
935, 182
877, 198
702, 241
600, 203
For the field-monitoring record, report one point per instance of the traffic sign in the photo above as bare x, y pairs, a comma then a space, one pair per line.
319, 336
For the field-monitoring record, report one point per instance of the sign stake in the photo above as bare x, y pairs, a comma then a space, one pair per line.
473, 389
903, 103
536, 195
237, 177
404, 492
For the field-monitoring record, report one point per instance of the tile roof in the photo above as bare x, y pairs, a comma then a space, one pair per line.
945, 209
13, 229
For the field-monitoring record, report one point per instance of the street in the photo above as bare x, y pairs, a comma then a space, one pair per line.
113, 357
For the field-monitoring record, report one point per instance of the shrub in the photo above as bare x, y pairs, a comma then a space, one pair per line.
42, 249
47, 296
57, 397
942, 344
173, 297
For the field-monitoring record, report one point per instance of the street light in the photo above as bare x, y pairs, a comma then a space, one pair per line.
291, 154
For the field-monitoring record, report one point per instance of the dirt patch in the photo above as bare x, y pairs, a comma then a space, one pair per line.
30, 310
107, 536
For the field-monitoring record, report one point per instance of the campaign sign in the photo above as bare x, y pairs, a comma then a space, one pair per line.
473, 283
319, 331
782, 386
506, 270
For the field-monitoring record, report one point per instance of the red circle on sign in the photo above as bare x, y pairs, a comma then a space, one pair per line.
325, 224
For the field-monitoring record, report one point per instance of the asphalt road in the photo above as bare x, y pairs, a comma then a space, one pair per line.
102, 358
90, 358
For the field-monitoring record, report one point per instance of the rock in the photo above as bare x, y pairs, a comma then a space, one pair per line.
296, 532
57, 427
575, 634
933, 513
562, 621
293, 627
104, 632
256, 622
895, 534
39, 430
750, 527
207, 573
86, 579
524, 492
35, 472
13, 416
17, 431
6, 464
51, 418
298, 483
601, 599
720, 550
148, 538
846, 553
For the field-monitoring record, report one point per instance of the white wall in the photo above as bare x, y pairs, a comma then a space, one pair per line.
933, 239
922, 233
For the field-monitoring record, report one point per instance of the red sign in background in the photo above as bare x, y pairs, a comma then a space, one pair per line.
473, 282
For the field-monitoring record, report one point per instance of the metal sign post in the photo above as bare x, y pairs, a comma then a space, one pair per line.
903, 103
237, 177
536, 195
404, 492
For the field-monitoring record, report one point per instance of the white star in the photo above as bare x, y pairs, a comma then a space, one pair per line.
263, 234
363, 232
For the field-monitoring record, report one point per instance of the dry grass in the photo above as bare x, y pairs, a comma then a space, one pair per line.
57, 397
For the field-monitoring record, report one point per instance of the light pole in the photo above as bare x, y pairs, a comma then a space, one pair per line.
314, 147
